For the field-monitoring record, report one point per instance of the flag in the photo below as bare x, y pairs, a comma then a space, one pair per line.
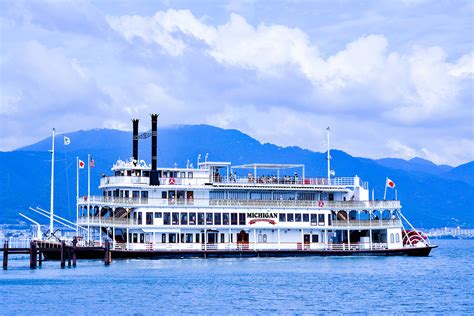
67, 140
81, 164
92, 163
390, 183
144, 135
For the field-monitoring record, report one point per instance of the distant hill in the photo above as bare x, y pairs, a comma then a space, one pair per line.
432, 196
415, 164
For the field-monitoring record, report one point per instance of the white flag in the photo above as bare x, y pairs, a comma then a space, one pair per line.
81, 164
390, 183
67, 140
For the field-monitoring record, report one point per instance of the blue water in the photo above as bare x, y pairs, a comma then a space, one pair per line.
441, 284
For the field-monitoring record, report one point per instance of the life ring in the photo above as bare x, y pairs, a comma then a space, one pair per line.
171, 181
321, 204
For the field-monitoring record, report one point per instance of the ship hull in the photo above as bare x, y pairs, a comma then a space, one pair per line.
98, 253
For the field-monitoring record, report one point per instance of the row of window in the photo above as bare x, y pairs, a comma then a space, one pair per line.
193, 218
395, 238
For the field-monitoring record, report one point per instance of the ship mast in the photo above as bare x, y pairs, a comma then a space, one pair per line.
51, 212
329, 159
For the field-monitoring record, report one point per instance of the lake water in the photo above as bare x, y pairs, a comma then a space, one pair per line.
442, 283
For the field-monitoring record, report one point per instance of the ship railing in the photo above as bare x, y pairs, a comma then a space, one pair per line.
338, 205
332, 205
16, 242
251, 246
94, 220
291, 180
367, 223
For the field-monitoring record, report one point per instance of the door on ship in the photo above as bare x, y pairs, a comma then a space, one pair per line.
306, 241
243, 240
212, 239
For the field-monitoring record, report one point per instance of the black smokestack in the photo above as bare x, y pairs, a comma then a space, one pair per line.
135, 139
154, 179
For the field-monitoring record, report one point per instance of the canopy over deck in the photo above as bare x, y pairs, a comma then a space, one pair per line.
268, 166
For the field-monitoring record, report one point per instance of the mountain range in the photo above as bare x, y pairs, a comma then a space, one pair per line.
431, 195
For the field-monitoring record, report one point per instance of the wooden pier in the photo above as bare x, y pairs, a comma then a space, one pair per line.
66, 253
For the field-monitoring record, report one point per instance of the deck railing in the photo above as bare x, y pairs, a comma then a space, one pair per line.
251, 246
333, 205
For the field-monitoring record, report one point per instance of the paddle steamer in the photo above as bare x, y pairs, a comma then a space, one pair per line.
216, 209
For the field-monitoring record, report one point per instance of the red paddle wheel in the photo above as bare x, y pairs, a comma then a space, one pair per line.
412, 237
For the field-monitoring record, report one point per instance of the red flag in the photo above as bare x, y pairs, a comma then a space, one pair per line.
92, 163
81, 164
390, 183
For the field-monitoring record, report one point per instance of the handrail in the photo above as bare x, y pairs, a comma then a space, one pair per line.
333, 205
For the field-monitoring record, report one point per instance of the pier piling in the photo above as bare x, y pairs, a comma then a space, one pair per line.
74, 243
107, 255
63, 257
33, 255
69, 253
40, 257
5, 255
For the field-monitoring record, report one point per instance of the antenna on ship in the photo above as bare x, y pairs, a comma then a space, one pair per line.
329, 158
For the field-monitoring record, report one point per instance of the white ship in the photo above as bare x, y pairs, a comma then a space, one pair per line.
217, 209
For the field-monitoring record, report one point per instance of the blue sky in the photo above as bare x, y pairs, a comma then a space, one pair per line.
392, 78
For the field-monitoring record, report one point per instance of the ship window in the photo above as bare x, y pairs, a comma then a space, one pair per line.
392, 238
139, 218
182, 175
197, 237
163, 238
315, 238
149, 218
180, 195
142, 238
222, 238
172, 238
225, 219
331, 197
192, 218
208, 218
127, 193
233, 218
314, 219
200, 218
321, 219
182, 238
190, 175
175, 218
164, 195
264, 237
175, 174
184, 218
158, 215
260, 238
297, 217
242, 218
290, 217
146, 173
397, 237
306, 218
282, 217
144, 195
135, 238
189, 238
166, 218
135, 195
217, 218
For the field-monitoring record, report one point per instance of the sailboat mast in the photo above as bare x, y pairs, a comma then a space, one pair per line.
51, 212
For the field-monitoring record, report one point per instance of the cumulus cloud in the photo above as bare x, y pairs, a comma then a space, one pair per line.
423, 84
76, 65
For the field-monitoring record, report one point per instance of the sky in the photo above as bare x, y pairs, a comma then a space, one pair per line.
391, 78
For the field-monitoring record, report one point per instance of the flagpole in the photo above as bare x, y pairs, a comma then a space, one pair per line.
88, 195
385, 191
77, 196
329, 160
51, 212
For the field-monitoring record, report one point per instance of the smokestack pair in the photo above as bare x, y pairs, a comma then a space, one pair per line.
154, 179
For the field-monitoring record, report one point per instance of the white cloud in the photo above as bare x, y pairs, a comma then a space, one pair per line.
422, 84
